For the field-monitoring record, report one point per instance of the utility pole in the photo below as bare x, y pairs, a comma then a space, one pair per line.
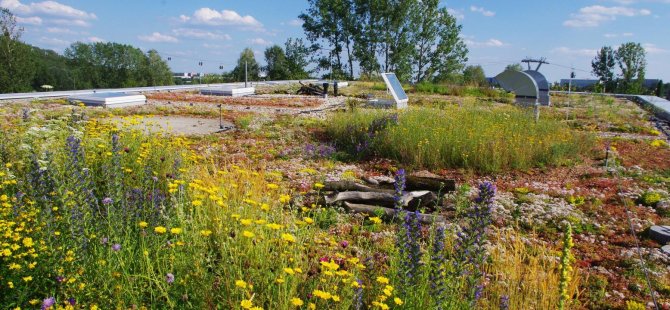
245, 74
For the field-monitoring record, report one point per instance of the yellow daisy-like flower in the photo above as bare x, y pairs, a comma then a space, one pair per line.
280, 280
246, 304
289, 271
196, 203
284, 198
143, 224
246, 222
288, 238
206, 233
160, 230
297, 301
241, 283
383, 280
28, 278
272, 186
28, 242
336, 298
398, 301
176, 231
308, 220
319, 185
248, 234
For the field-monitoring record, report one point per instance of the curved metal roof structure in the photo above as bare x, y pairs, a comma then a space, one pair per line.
521, 83
529, 84
542, 86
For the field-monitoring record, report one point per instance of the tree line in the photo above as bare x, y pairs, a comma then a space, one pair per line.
416, 39
630, 59
25, 68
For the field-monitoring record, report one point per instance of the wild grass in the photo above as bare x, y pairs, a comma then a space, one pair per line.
485, 138
98, 217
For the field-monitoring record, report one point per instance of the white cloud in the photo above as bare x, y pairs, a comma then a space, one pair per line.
70, 22
60, 30
615, 35
50, 8
95, 39
295, 22
487, 43
158, 37
213, 17
593, 16
54, 42
482, 10
575, 52
29, 20
259, 41
653, 49
458, 14
200, 34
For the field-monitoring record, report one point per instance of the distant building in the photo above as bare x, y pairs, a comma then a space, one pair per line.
584, 84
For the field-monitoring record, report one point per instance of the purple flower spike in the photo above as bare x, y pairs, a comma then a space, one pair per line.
116, 247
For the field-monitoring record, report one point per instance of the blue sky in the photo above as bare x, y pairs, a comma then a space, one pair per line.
567, 33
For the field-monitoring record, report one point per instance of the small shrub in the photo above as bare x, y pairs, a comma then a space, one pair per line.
650, 199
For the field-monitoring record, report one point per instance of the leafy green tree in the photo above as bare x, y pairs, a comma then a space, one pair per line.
450, 53
474, 75
659, 89
16, 65
631, 59
156, 70
322, 25
297, 58
514, 67
369, 16
247, 56
277, 65
426, 20
603, 66
397, 32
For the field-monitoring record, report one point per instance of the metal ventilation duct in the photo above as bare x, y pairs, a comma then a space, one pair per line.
529, 86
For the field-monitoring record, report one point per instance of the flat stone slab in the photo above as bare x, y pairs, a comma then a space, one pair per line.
174, 124
660, 234
666, 249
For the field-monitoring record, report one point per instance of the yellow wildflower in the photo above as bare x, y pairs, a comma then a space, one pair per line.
176, 231
241, 283
206, 233
289, 271
28, 278
248, 234
245, 222
382, 280
272, 186
246, 304
319, 185
336, 298
28, 242
398, 301
284, 198
375, 220
196, 203
143, 224
308, 220
288, 237
160, 230
297, 301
